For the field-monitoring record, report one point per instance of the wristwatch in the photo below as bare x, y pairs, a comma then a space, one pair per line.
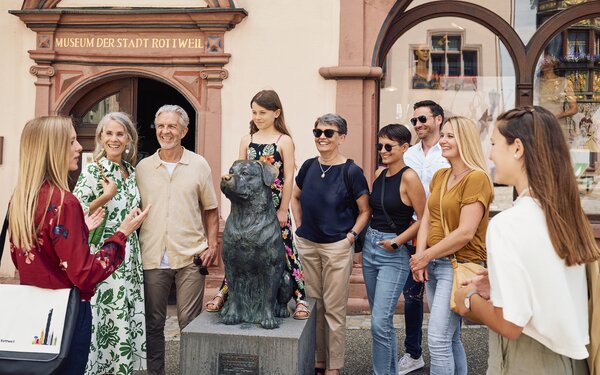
352, 232
468, 299
394, 245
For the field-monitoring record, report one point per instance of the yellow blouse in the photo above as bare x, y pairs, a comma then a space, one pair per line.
474, 187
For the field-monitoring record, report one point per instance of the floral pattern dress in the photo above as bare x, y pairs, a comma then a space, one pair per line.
118, 313
269, 153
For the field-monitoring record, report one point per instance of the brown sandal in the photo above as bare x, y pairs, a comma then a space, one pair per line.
302, 312
216, 304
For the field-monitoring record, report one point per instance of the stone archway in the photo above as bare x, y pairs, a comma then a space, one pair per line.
524, 57
181, 47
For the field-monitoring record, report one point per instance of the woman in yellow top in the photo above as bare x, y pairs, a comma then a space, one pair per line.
459, 201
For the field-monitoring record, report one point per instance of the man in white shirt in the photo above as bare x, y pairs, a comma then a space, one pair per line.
425, 158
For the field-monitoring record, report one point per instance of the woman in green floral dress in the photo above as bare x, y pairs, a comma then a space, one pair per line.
119, 324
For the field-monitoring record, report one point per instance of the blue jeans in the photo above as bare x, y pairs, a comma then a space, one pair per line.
385, 273
443, 335
413, 316
77, 358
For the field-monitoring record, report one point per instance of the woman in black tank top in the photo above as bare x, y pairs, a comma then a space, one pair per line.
396, 196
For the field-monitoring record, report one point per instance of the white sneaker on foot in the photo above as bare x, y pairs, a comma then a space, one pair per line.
408, 364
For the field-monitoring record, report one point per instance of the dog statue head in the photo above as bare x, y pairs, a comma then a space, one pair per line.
247, 178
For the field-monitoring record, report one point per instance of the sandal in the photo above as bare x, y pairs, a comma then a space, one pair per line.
216, 304
302, 312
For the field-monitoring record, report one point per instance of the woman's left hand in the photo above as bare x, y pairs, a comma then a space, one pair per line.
387, 245
419, 261
481, 283
282, 217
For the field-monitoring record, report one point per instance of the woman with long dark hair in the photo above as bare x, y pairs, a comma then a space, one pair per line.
534, 299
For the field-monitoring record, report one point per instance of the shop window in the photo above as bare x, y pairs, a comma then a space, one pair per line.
568, 84
475, 79
577, 43
452, 62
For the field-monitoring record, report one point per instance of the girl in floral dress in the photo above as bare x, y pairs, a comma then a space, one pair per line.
119, 323
269, 141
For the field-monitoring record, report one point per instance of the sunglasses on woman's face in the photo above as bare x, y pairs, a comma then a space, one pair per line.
422, 119
388, 147
328, 132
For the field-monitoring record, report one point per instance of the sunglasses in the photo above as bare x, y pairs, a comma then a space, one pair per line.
388, 147
422, 119
328, 132
202, 268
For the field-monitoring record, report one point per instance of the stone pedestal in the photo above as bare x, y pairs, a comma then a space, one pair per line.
210, 347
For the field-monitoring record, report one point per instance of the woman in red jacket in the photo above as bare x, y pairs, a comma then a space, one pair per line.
49, 243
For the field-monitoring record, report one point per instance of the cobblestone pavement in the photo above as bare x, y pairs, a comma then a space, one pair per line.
358, 345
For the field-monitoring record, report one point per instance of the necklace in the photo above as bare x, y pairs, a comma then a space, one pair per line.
524, 192
459, 174
324, 171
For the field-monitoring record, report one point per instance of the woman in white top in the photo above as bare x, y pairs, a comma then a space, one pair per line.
535, 298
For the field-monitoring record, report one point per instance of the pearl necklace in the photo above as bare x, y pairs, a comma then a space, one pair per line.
323, 171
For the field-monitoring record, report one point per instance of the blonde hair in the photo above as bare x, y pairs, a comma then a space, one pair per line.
43, 157
469, 145
125, 121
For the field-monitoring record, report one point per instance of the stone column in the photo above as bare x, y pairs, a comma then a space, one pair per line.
44, 74
209, 134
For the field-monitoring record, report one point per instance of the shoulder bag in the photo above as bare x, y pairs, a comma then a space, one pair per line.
462, 271
36, 326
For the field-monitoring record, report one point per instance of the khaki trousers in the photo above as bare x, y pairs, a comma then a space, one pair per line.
526, 356
327, 269
189, 285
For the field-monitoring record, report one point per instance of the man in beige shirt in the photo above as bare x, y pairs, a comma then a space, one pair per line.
178, 185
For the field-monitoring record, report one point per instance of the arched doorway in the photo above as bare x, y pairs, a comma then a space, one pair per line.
140, 97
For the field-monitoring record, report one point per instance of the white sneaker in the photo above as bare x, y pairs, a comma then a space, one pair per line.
407, 364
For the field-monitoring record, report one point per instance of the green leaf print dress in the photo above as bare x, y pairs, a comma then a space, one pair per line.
118, 313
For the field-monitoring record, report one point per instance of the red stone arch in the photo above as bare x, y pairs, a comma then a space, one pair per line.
195, 66
524, 57
399, 22
88, 83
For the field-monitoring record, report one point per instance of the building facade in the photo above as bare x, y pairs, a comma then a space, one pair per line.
366, 60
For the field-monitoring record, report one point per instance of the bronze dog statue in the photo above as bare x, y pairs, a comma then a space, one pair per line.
253, 249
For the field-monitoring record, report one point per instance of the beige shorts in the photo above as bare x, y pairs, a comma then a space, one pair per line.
526, 356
